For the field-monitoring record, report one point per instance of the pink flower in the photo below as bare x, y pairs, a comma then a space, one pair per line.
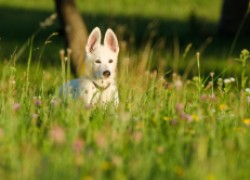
57, 134
78, 145
179, 108
16, 106
137, 136
188, 118
204, 97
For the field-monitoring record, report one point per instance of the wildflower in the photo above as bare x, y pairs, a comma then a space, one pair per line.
69, 51
212, 74
247, 90
37, 101
179, 107
232, 79
57, 134
137, 136
16, 106
246, 121
204, 97
227, 81
195, 117
223, 107
178, 84
245, 52
182, 115
62, 54
78, 145
188, 117
219, 80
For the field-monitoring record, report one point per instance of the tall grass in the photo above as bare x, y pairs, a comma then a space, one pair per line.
164, 128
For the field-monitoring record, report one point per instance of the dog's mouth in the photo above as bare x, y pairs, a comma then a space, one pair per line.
101, 83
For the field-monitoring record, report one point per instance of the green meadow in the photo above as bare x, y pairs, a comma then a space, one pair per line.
184, 109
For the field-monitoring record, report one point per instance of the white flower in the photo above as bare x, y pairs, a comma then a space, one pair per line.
247, 90
227, 81
232, 79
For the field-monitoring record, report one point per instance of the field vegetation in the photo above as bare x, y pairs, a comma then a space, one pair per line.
185, 96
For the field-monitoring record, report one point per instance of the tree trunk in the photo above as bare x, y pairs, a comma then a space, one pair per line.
75, 32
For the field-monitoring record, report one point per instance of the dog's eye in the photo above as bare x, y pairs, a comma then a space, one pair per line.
110, 61
97, 61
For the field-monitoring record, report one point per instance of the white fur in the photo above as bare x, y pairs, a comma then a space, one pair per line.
95, 87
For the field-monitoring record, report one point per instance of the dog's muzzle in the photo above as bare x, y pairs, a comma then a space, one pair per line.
106, 74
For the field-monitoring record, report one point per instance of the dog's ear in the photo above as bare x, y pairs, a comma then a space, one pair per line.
94, 40
110, 40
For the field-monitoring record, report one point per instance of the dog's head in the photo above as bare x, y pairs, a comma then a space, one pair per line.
101, 60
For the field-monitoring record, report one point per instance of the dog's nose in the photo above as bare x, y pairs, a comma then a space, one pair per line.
106, 73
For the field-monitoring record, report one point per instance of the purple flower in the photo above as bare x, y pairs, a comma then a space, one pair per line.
37, 101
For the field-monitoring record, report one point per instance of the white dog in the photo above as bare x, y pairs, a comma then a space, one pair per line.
98, 85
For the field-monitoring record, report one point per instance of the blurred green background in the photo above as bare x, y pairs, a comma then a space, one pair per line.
169, 25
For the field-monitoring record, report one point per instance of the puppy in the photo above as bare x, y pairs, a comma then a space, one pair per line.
99, 84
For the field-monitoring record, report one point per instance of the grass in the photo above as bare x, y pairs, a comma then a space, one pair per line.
163, 127
180, 116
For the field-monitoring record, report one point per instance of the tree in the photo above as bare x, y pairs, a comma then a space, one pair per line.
75, 32
234, 13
